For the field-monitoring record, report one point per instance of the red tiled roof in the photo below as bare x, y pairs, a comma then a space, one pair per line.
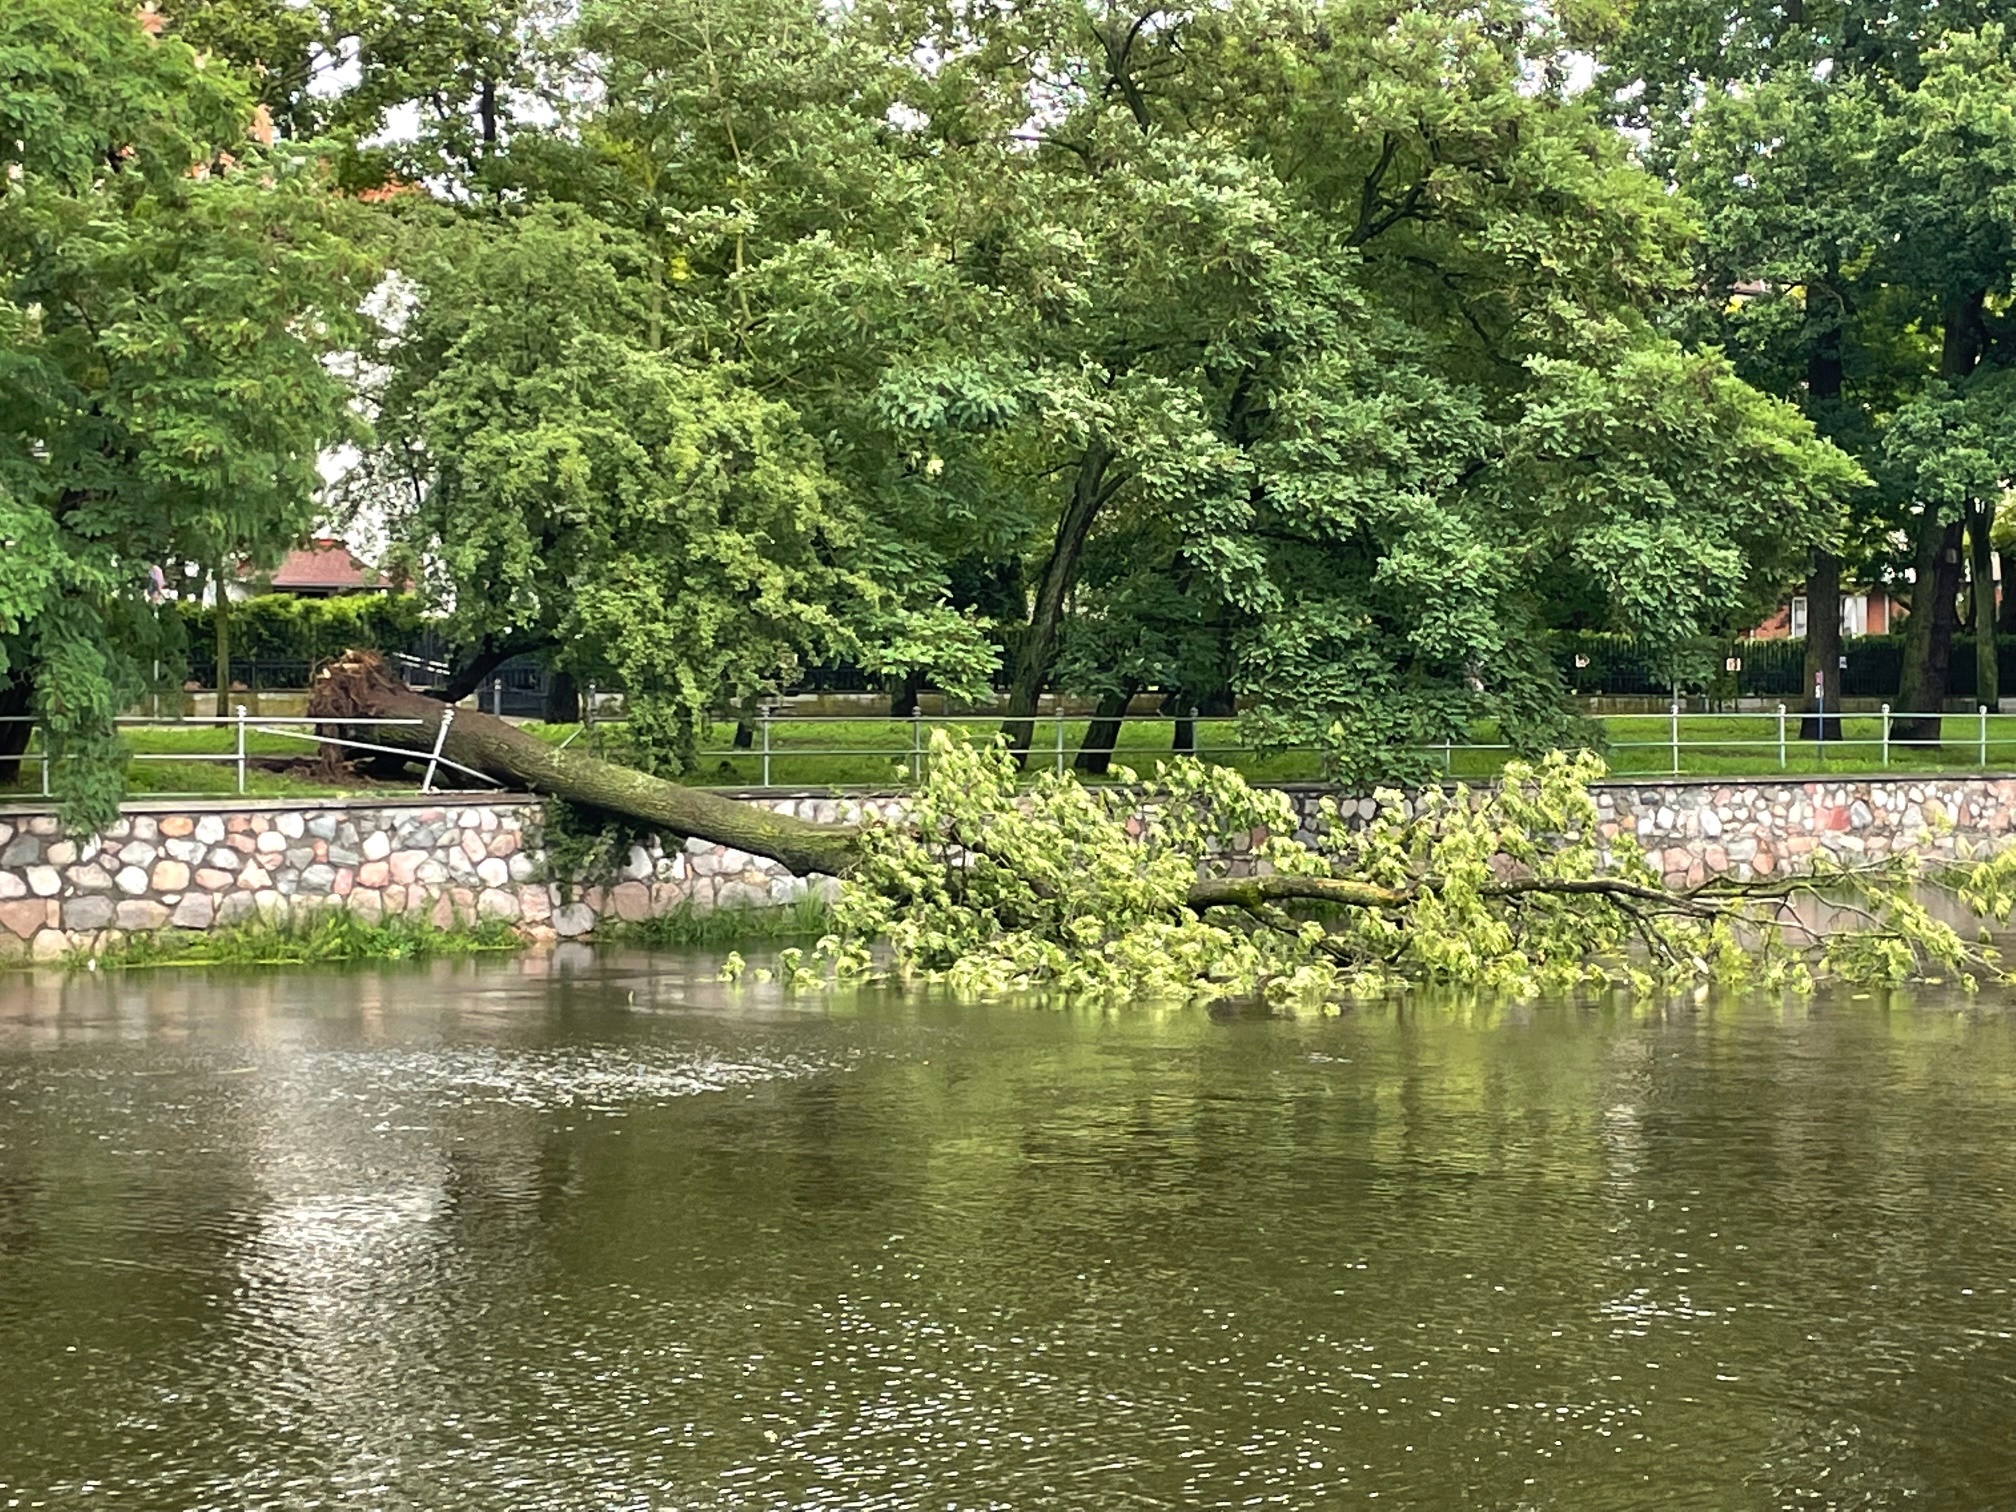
324, 564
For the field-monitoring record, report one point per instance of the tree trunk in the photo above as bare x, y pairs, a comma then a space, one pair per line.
1823, 645
360, 686
1987, 682
1823, 580
903, 702
563, 700
1183, 735
1928, 633
1039, 645
220, 622
17, 697
1102, 735
490, 654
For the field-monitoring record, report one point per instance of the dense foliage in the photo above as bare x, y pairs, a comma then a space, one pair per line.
284, 627
169, 291
1195, 886
1294, 350
1854, 166
1285, 348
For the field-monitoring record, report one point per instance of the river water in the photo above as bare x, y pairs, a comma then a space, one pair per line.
586, 1232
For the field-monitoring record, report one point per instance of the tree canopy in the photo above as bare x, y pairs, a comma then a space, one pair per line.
171, 292
1852, 165
1293, 352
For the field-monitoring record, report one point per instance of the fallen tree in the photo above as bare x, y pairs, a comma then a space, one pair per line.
359, 687
1197, 885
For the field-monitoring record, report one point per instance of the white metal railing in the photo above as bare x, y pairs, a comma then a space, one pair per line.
1677, 743
243, 724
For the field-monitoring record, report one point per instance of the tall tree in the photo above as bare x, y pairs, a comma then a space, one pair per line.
1853, 166
169, 291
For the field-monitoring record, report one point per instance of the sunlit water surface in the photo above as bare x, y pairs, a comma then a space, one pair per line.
587, 1232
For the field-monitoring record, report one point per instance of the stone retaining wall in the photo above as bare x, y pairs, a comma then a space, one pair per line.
1747, 827
199, 866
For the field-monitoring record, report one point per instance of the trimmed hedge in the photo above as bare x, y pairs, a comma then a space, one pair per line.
282, 627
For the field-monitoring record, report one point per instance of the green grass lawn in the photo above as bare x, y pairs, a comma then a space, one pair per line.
819, 754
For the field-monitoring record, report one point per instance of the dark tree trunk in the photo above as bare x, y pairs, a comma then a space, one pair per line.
1183, 735
1102, 735
2005, 618
1987, 679
1928, 633
903, 702
1823, 645
360, 686
563, 700
17, 696
220, 622
490, 654
1089, 490
1823, 580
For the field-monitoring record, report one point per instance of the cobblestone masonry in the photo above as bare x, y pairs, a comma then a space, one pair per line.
195, 868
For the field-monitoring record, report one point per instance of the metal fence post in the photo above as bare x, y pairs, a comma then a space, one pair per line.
916, 747
1781, 737
497, 696
1984, 736
440, 740
763, 724
1676, 737
1885, 712
1060, 737
241, 748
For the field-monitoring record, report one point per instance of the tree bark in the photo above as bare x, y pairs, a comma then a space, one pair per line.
1039, 645
1823, 579
490, 654
360, 686
903, 702
1183, 733
563, 700
1987, 680
1823, 645
1928, 633
1102, 735
220, 622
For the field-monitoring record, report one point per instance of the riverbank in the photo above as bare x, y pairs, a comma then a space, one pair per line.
195, 866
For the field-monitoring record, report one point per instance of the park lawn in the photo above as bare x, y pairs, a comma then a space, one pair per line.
850, 753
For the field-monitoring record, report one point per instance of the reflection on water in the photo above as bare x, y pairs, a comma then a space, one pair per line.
596, 1232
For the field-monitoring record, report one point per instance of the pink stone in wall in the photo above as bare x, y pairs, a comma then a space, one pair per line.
24, 917
212, 880
344, 881
374, 874
405, 865
631, 901
244, 844
534, 905
1763, 862
177, 826
472, 845
253, 877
